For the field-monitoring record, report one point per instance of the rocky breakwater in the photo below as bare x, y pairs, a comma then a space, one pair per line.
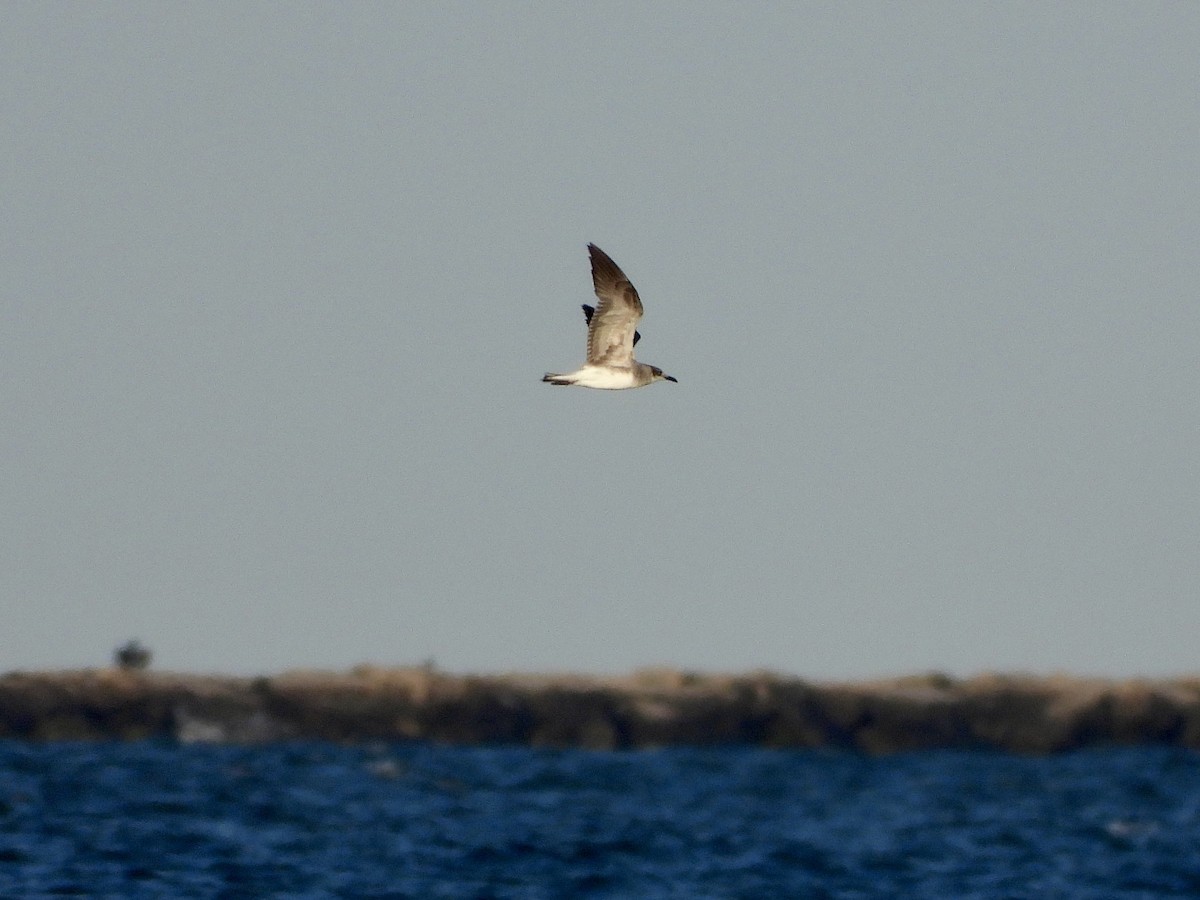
647, 709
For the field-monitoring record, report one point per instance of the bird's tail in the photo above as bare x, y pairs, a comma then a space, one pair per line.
555, 378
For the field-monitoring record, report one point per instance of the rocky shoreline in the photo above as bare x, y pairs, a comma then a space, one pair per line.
649, 708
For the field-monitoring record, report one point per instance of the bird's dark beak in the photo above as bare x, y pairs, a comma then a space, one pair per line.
669, 378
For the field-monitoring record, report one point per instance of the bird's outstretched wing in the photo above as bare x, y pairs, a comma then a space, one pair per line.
587, 315
611, 328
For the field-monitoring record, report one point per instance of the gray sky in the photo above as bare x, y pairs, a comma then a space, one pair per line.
280, 281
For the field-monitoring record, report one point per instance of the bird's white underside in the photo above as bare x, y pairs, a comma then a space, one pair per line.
605, 378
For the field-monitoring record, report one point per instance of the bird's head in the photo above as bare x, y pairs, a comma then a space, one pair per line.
659, 376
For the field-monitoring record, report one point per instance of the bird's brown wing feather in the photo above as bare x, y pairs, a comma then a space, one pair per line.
612, 326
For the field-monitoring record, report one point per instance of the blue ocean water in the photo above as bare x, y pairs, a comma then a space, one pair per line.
315, 820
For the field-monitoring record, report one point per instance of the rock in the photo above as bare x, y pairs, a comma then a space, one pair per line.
651, 708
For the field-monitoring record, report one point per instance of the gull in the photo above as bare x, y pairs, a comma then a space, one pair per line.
612, 332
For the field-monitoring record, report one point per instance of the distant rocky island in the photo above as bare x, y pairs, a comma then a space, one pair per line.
650, 708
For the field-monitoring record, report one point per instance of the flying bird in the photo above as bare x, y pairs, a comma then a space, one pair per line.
612, 332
